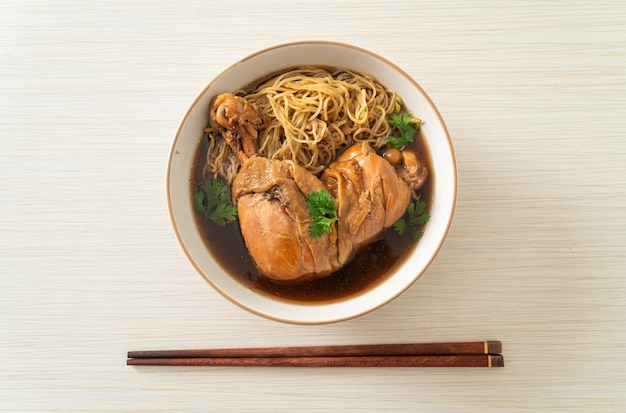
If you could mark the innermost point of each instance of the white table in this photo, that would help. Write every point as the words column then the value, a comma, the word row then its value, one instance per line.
column 534, row 96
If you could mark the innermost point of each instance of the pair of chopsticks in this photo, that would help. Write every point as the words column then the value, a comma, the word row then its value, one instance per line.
column 460, row 354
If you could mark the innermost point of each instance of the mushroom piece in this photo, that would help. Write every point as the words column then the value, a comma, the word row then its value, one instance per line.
column 412, row 171
column 238, row 120
column 393, row 156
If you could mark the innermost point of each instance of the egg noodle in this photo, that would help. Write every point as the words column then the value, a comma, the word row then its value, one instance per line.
column 315, row 114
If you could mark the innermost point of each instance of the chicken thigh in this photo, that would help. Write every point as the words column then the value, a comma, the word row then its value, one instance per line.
column 274, row 220
column 369, row 196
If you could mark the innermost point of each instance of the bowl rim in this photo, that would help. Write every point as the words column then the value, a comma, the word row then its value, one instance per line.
column 400, row 291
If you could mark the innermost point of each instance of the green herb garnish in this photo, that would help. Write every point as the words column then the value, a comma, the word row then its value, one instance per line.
column 213, row 201
column 321, row 208
column 406, row 126
column 417, row 215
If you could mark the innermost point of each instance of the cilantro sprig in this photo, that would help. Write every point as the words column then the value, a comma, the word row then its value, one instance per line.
column 405, row 125
column 321, row 206
column 416, row 216
column 213, row 201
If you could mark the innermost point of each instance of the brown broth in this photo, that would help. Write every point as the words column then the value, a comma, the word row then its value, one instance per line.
column 371, row 265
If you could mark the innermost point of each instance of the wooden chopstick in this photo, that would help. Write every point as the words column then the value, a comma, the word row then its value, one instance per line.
column 465, row 360
column 475, row 347
column 459, row 354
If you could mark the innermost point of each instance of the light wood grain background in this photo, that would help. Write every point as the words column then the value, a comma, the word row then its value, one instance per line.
column 534, row 96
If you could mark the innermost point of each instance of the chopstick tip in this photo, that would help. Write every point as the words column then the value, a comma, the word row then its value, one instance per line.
column 493, row 347
column 496, row 361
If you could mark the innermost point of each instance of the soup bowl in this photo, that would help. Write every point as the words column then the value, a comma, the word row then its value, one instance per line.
column 443, row 183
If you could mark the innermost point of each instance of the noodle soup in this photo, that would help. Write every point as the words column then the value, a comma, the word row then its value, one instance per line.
column 318, row 210
column 314, row 114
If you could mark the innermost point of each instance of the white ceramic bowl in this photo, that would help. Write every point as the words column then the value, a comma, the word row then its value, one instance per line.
column 325, row 54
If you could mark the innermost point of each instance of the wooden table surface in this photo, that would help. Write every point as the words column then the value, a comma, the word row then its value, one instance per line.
column 534, row 96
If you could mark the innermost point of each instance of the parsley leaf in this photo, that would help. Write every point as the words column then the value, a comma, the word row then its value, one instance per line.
column 400, row 226
column 405, row 125
column 212, row 200
column 322, row 210
column 417, row 215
